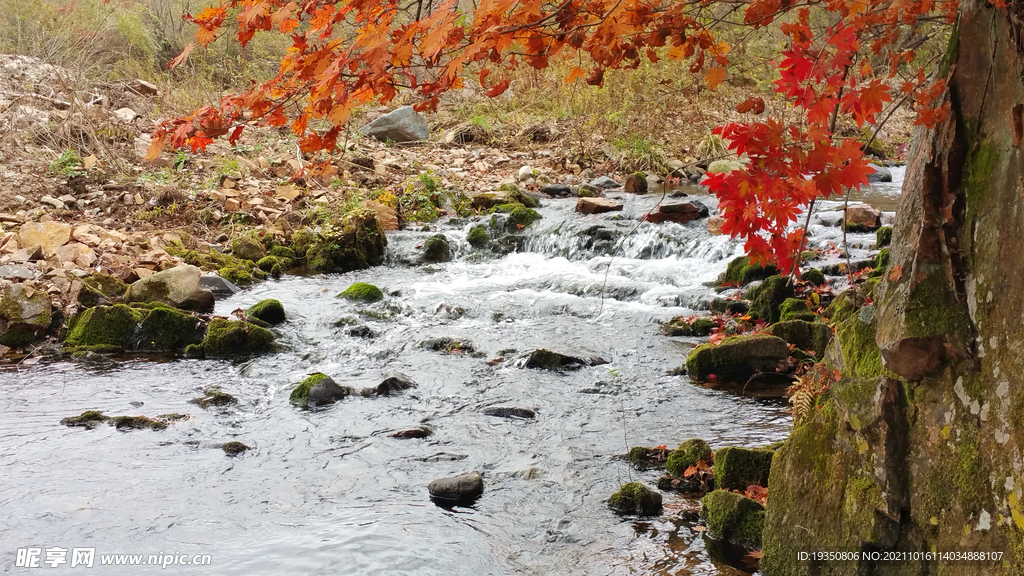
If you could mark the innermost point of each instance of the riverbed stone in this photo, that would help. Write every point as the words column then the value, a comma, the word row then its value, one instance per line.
column 411, row 433
column 724, row 166
column 597, row 206
column 403, row 124
column 234, row 448
column 235, row 338
column 179, row 287
column 510, row 412
column 766, row 298
column 166, row 330
column 737, row 468
column 679, row 213
column 545, row 359
column 809, row 336
column 270, row 311
column 359, row 244
column 436, row 249
column 478, row 237
column 88, row 419
column 737, row 358
column 461, row 490
column 741, row 272
column 393, row 383
column 248, row 248
column 733, row 518
column 25, row 313
column 49, row 235
column 362, row 292
column 862, row 217
column 104, row 325
column 688, row 454
column 318, row 390
column 636, row 498
column 214, row 396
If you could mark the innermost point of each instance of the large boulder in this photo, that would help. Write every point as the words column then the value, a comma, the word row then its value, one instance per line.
column 680, row 213
column 104, row 326
column 361, row 243
column 179, row 287
column 461, row 490
column 738, row 358
column 24, row 313
column 733, row 518
column 401, row 125
column 636, row 498
column 597, row 206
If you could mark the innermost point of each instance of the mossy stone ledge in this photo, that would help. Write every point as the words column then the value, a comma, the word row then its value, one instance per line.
column 737, row 358
column 733, row 518
column 737, row 468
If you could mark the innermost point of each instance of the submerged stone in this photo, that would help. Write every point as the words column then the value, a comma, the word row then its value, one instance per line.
column 234, row 448
column 214, row 396
column 510, row 412
column 636, row 498
column 394, row 383
column 136, row 423
column 421, row 432
column 88, row 419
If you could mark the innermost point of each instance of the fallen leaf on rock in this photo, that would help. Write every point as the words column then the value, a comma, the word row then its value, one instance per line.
column 700, row 529
column 896, row 273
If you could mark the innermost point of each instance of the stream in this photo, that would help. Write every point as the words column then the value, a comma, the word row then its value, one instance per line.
column 329, row 491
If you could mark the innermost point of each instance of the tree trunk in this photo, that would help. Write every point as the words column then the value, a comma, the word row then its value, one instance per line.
column 925, row 451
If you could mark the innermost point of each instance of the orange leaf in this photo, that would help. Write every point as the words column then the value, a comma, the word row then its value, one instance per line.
column 182, row 57
column 896, row 273
column 498, row 89
column 155, row 148
column 715, row 77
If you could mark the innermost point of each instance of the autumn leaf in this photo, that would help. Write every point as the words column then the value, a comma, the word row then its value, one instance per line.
column 895, row 273
column 181, row 58
column 715, row 77
column 155, row 148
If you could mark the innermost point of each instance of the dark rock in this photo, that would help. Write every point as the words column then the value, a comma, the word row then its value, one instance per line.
column 636, row 498
column 234, row 448
column 361, row 331
column 448, row 345
column 478, row 237
column 636, row 183
column 401, row 125
column 214, row 396
column 768, row 384
column 547, row 360
column 679, row 213
column 738, row 358
column 88, row 419
column 394, row 383
column 219, row 286
column 136, row 423
column 557, row 190
column 461, row 490
column 421, row 432
column 167, row 330
column 814, row 276
column 881, row 174
column 509, row 412
column 697, row 484
column 436, row 249
column 680, row 326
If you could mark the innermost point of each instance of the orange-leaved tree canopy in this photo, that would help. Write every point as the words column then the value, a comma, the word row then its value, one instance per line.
column 854, row 59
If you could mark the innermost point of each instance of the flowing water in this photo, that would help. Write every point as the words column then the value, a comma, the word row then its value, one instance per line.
column 330, row 491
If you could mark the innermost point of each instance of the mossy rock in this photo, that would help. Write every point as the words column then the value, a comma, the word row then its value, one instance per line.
column 234, row 448
column 521, row 218
column 846, row 304
column 108, row 325
column 167, row 330
column 284, row 253
column 737, row 468
column 318, row 390
column 795, row 309
column 214, row 396
column 270, row 311
column 883, row 237
column 136, row 423
column 723, row 306
column 268, row 263
column 733, row 518
column 870, row 286
column 588, row 191
column 88, row 419
column 359, row 244
column 679, row 326
column 737, row 358
column 362, row 292
column 436, row 250
column 235, row 338
column 636, row 498
column 544, row 359
column 766, row 298
column 882, row 261
column 19, row 336
column 241, row 276
column 478, row 237
column 858, row 352
column 302, row 240
column 741, row 272
column 248, row 248
column 688, row 454
column 105, row 284
column 814, row 276
column 810, row 336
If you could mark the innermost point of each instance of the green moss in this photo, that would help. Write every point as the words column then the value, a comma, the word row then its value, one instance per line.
column 270, row 311
column 267, row 263
column 362, row 292
column 814, row 276
column 229, row 339
column 214, row 396
column 248, row 247
column 870, row 286
column 166, row 329
column 856, row 337
column 733, row 518
column 284, row 253
column 741, row 272
column 767, row 298
column 882, row 260
column 737, row 468
column 241, row 275
column 234, row 448
column 883, row 237
column 88, row 419
column 110, row 325
column 636, row 498
column 136, row 423
column 737, row 358
column 18, row 336
column 810, row 336
column 300, row 394
column 688, row 454
column 436, row 249
column 302, row 240
column 795, row 309
column 505, row 208
column 521, row 218
column 478, row 237
column 76, row 351
column 933, row 308
column 106, row 284
column 844, row 306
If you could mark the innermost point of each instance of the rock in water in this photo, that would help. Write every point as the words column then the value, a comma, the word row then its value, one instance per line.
column 461, row 490
column 733, row 518
column 436, row 249
column 635, row 498
column 881, row 174
column 510, row 412
column 318, row 390
column 605, row 182
column 597, row 206
column 688, row 454
column 680, row 213
column 737, row 359
column 736, row 468
column 394, row 383
column 24, row 313
column 179, row 287
column 862, row 216
column 545, row 359
column 270, row 311
column 401, row 125
column 217, row 285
